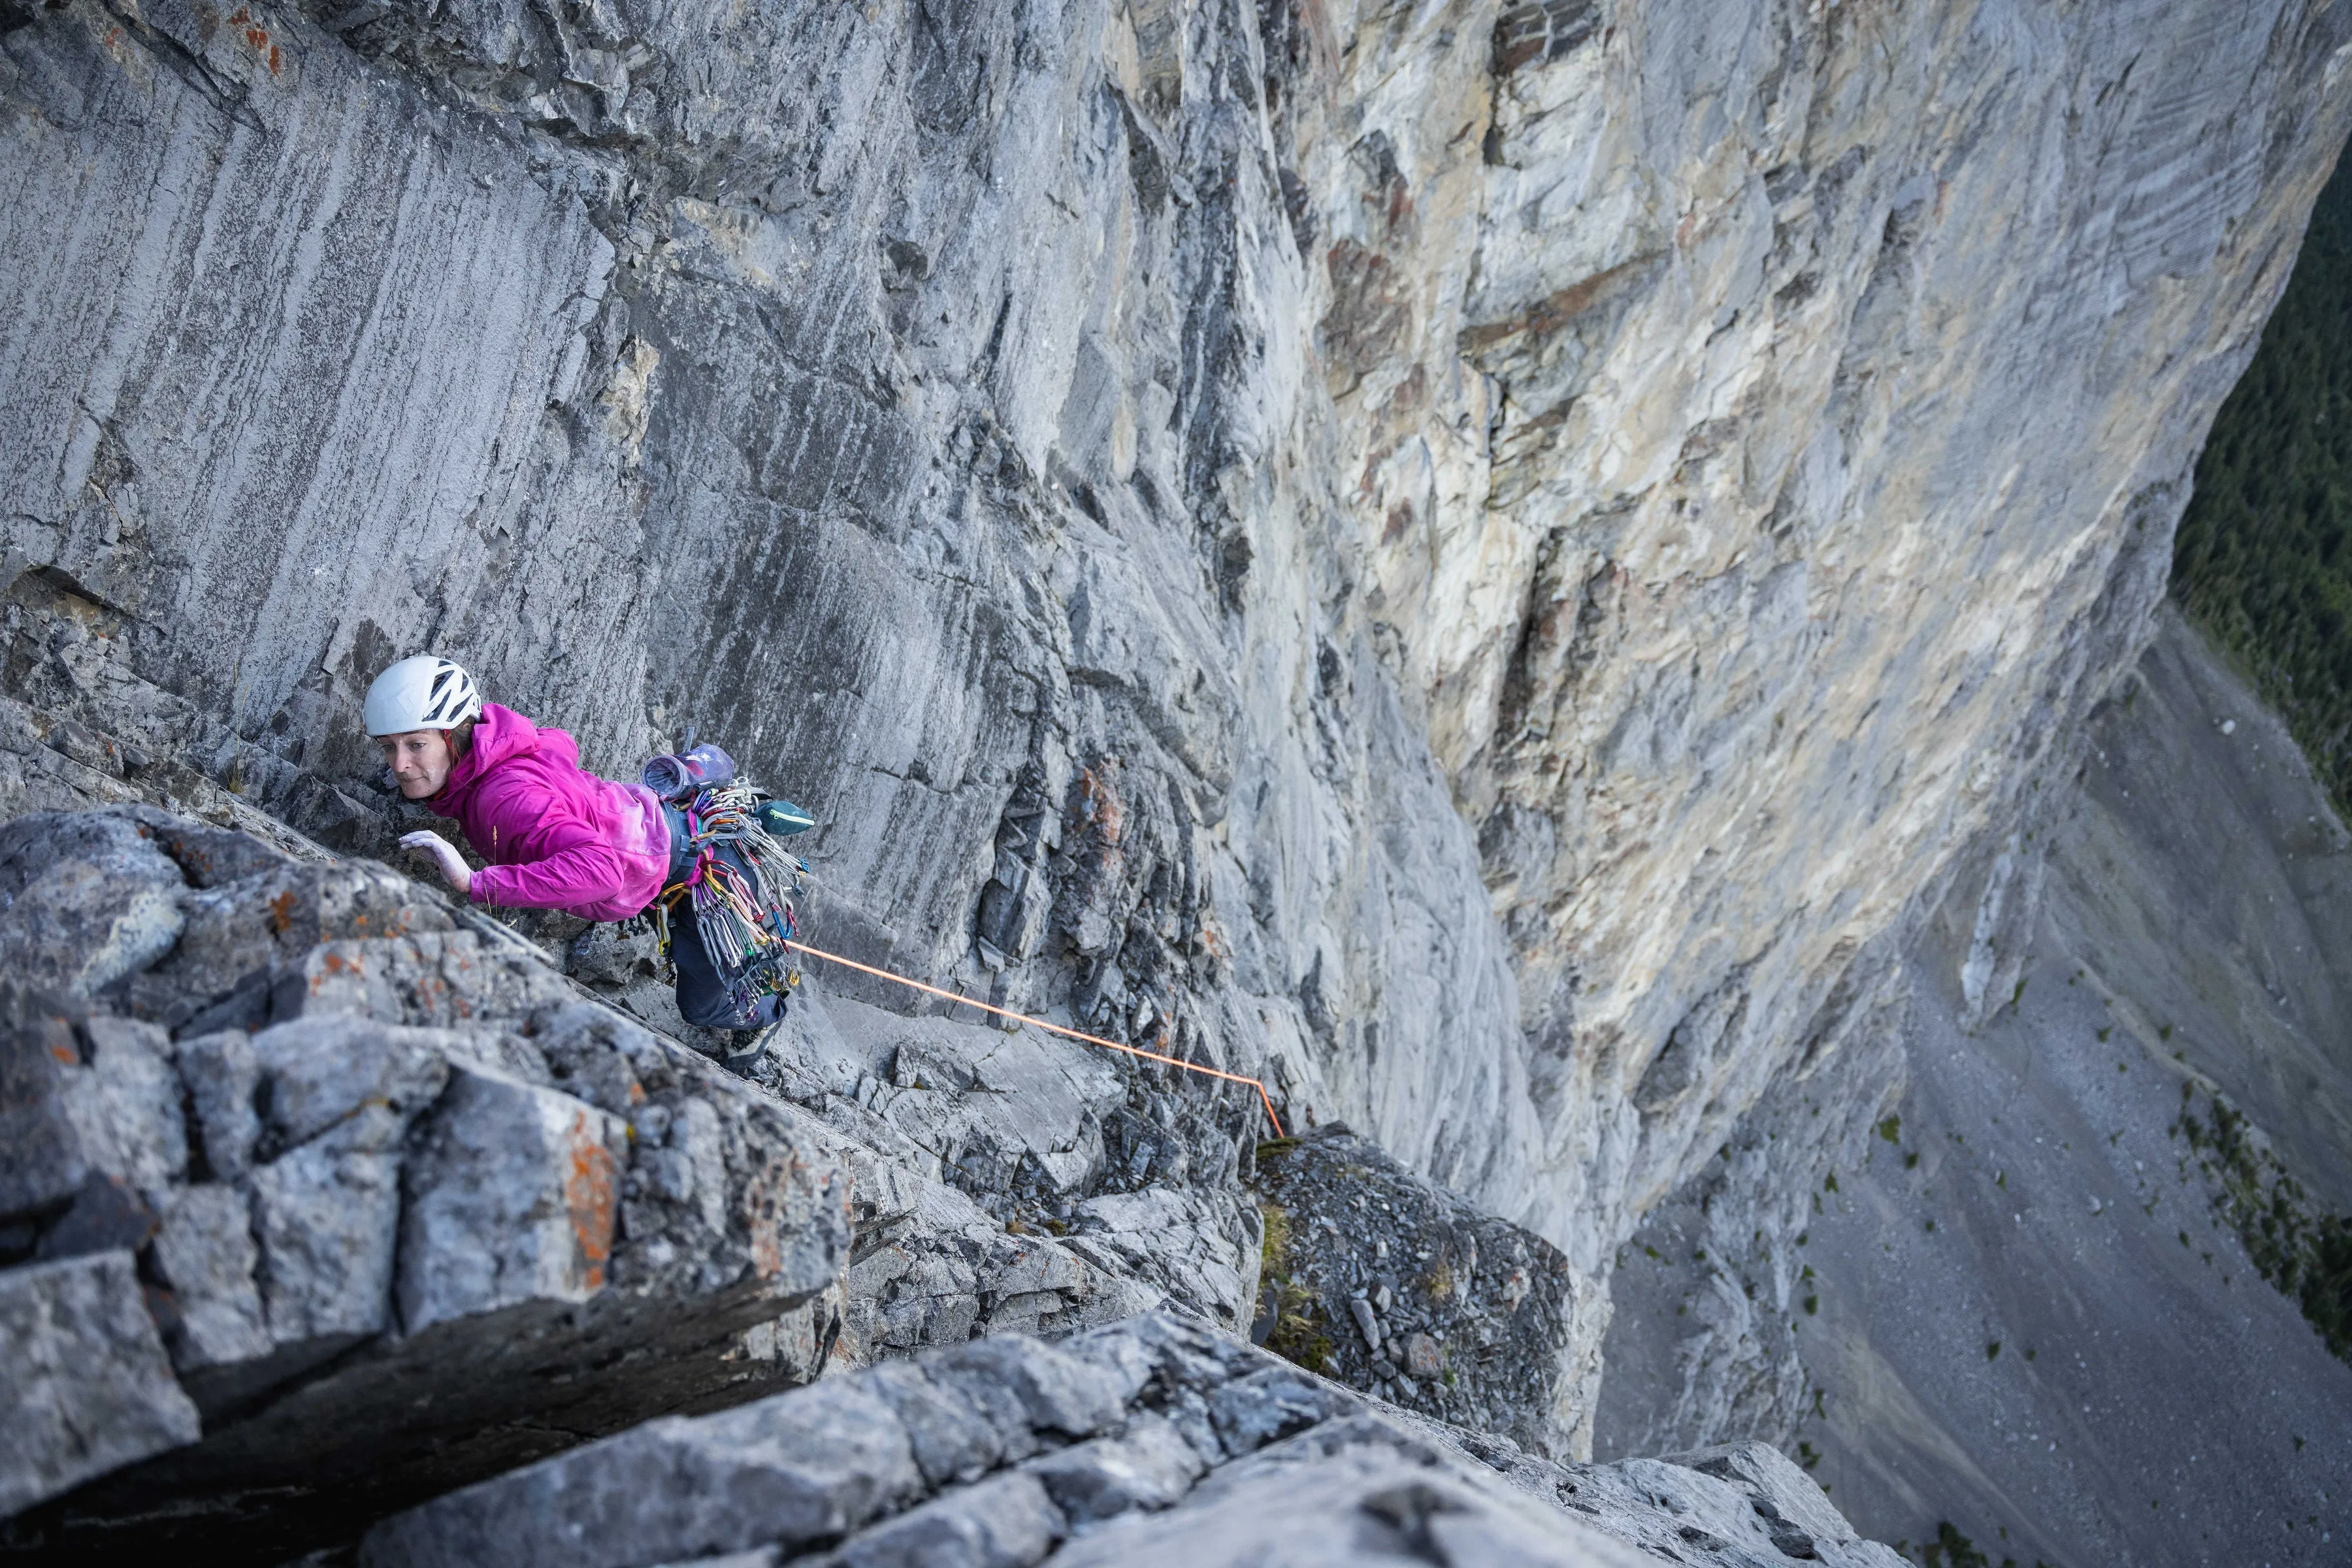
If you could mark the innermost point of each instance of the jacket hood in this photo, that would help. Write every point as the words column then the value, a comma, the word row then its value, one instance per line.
column 500, row 735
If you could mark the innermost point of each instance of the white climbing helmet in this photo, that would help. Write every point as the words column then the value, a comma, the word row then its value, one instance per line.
column 423, row 692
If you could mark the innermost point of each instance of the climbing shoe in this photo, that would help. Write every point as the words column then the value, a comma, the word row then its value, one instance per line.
column 748, row 1049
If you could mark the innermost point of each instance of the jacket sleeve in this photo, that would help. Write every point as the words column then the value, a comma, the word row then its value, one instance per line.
column 582, row 870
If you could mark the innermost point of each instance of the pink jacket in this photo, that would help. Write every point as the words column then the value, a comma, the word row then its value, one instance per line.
column 556, row 838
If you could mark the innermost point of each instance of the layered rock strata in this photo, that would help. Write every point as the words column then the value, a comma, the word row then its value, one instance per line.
column 1842, row 376
column 1150, row 1442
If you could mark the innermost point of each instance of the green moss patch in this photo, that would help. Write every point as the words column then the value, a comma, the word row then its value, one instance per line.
column 1300, row 1335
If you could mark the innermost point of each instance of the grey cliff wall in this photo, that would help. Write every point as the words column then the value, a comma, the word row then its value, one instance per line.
column 936, row 429
column 1476, row 562
column 1839, row 431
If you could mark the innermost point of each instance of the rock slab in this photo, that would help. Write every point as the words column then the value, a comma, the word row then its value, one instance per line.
column 1155, row 1441
column 88, row 1386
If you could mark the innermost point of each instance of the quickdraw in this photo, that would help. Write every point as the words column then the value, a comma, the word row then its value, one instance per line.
column 748, row 922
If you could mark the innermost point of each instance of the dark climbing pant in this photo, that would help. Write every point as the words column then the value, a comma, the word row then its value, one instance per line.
column 705, row 999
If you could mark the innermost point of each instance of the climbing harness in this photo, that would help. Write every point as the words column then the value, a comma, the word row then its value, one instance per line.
column 742, row 888
column 1258, row 1084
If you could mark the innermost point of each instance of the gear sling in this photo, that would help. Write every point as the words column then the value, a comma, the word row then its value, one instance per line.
column 729, row 906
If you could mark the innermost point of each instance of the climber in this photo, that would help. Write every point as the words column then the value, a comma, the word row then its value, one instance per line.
column 558, row 838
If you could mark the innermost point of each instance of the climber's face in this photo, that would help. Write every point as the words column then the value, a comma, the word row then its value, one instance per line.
column 419, row 761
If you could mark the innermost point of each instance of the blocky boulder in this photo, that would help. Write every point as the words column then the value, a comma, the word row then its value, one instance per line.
column 321, row 1200
column 88, row 1387
column 1379, row 1278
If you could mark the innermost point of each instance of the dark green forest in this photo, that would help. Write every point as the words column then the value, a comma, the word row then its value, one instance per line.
column 2263, row 560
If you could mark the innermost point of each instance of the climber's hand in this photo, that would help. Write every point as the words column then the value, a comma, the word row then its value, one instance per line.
column 453, row 864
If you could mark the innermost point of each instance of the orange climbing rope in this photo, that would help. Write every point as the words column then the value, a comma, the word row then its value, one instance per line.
column 1257, row 1084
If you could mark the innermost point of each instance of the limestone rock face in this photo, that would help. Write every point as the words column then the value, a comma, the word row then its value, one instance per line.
column 1469, row 561
column 1841, row 380
column 1147, row 1442
column 937, row 431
